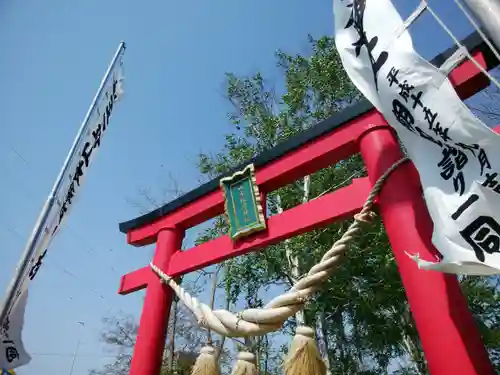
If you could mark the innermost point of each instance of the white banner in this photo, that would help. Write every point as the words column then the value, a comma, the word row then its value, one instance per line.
column 12, row 351
column 456, row 155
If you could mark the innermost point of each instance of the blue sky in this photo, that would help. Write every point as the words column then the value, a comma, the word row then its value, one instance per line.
column 55, row 54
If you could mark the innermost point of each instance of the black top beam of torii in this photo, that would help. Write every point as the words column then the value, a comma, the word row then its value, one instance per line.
column 473, row 43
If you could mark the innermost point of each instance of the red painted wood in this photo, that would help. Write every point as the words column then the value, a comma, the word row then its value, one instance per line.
column 135, row 280
column 138, row 279
column 188, row 216
column 338, row 205
column 307, row 159
column 447, row 330
column 341, row 204
column 150, row 343
column 320, row 153
column 467, row 79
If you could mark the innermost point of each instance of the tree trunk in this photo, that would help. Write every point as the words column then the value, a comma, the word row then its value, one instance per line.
column 411, row 344
column 266, row 358
column 212, row 299
column 323, row 339
column 220, row 347
column 258, row 352
column 170, row 349
column 341, row 342
column 292, row 259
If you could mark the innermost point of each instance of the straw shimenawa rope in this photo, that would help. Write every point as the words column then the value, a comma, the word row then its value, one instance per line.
column 255, row 322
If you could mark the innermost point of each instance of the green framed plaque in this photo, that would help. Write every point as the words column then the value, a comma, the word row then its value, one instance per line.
column 242, row 203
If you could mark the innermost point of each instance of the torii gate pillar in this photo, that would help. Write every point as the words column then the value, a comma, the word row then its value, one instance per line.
column 447, row 330
column 150, row 344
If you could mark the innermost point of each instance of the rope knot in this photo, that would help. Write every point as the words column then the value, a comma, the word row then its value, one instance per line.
column 239, row 318
column 365, row 217
column 300, row 297
column 164, row 278
column 305, row 331
column 246, row 356
column 207, row 350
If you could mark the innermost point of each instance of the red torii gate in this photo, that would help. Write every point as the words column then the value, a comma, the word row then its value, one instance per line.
column 448, row 333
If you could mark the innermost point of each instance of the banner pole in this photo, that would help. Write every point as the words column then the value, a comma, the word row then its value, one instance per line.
column 15, row 284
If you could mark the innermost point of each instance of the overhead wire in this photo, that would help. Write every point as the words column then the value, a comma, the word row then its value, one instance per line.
column 18, row 154
column 61, row 268
column 53, row 262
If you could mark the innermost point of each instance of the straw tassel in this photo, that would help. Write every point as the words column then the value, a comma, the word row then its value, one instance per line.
column 304, row 357
column 245, row 364
column 206, row 363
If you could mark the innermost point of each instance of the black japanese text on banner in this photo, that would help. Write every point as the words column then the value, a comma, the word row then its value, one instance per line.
column 456, row 155
column 12, row 351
